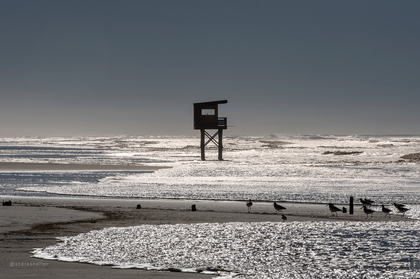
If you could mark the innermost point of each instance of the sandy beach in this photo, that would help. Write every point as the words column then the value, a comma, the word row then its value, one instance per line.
column 33, row 222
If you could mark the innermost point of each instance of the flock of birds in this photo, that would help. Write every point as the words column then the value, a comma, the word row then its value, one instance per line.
column 366, row 204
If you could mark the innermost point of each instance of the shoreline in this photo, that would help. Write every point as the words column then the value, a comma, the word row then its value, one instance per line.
column 19, row 166
column 35, row 222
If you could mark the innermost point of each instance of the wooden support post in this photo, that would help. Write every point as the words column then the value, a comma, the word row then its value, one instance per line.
column 351, row 206
column 220, row 144
column 202, row 145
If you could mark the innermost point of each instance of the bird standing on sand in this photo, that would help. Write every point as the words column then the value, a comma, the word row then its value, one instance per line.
column 398, row 205
column 368, row 211
column 249, row 204
column 386, row 211
column 401, row 208
column 366, row 202
column 283, row 217
column 278, row 207
column 333, row 208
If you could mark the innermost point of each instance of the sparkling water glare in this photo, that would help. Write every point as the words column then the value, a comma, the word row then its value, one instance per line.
column 275, row 167
column 253, row 250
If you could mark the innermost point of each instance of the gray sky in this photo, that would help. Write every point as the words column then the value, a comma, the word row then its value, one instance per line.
column 136, row 67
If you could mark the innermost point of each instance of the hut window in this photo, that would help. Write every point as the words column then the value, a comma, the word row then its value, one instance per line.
column 208, row 112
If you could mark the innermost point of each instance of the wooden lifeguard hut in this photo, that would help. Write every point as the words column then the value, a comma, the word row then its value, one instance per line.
column 206, row 117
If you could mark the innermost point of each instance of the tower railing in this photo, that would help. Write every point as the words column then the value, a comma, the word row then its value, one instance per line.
column 222, row 122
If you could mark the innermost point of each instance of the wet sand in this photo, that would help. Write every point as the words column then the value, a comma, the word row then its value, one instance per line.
column 17, row 166
column 34, row 222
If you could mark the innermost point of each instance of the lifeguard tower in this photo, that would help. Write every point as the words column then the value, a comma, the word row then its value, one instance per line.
column 206, row 117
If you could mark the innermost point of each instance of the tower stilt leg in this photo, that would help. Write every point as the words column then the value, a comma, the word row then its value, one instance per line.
column 220, row 144
column 203, row 145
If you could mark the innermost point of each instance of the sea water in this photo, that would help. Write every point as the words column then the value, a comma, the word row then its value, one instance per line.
column 299, row 168
column 276, row 167
column 253, row 250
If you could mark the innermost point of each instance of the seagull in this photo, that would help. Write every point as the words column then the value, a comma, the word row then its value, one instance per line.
column 403, row 210
column 333, row 208
column 368, row 211
column 278, row 207
column 386, row 211
column 366, row 202
column 283, row 217
column 249, row 204
column 398, row 205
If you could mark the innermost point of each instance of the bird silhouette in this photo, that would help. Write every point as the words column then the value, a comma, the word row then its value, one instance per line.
column 386, row 211
column 398, row 205
column 368, row 211
column 249, row 205
column 369, row 200
column 283, row 217
column 278, row 207
column 366, row 202
column 403, row 210
column 333, row 208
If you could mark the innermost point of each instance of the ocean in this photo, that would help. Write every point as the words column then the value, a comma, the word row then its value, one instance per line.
column 301, row 168
column 295, row 168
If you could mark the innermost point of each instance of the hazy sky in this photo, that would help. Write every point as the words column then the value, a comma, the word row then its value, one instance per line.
column 136, row 67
